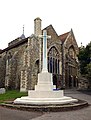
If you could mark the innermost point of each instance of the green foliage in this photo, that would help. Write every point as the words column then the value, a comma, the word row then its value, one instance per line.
column 88, row 68
column 85, row 60
column 11, row 95
column 82, row 58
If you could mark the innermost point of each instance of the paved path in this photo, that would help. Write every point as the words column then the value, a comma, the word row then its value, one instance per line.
column 82, row 114
column 11, row 114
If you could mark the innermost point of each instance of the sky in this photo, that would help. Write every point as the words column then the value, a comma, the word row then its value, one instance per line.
column 62, row 14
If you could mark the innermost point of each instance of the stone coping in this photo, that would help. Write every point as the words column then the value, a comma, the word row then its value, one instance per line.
column 47, row 108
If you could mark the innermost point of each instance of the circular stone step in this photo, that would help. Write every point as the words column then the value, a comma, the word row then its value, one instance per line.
column 47, row 108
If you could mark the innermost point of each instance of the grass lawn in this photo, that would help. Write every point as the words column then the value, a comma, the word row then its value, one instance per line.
column 11, row 95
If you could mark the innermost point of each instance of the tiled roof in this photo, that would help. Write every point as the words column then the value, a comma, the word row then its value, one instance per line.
column 15, row 45
column 63, row 36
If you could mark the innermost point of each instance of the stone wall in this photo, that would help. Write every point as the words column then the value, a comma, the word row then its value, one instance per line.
column 2, row 70
column 83, row 83
column 70, row 63
column 30, row 67
column 13, row 65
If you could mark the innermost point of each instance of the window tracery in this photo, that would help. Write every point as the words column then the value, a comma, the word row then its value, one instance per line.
column 53, row 61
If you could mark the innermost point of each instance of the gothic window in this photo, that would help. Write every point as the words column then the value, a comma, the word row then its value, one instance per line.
column 37, row 66
column 9, row 56
column 71, row 52
column 53, row 61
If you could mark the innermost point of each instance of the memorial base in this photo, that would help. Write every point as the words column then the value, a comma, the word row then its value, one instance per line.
column 44, row 93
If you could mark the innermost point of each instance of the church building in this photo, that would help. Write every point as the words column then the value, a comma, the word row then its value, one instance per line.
column 21, row 61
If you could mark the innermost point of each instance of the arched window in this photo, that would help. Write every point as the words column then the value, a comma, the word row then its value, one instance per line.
column 37, row 66
column 72, row 52
column 53, row 61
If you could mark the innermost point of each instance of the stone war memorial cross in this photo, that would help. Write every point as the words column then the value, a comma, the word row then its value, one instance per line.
column 44, row 93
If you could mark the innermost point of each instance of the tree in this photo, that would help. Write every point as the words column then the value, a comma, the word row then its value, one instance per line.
column 88, row 68
column 85, row 60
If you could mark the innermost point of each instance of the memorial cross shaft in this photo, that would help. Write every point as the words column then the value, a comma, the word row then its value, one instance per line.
column 45, row 37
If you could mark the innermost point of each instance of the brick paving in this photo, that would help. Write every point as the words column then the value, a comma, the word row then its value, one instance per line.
column 82, row 114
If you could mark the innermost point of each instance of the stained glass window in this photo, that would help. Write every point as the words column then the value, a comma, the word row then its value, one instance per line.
column 53, row 61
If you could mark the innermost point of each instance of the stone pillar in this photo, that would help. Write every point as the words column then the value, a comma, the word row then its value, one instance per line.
column 72, row 81
column 25, row 59
column 24, row 72
column 7, row 74
column 28, row 53
column 37, row 26
column 8, row 77
column 24, row 80
column 63, row 66
column 40, row 63
column 60, row 67
column 37, row 32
